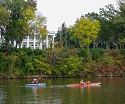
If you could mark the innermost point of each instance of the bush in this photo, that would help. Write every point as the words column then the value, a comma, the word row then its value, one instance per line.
column 97, row 53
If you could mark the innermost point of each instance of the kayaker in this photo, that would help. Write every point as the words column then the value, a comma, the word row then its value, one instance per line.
column 81, row 82
column 35, row 81
column 88, row 82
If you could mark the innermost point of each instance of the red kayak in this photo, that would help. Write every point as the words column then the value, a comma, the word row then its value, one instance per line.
column 90, row 84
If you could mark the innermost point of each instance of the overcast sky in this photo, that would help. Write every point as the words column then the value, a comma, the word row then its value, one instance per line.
column 59, row 11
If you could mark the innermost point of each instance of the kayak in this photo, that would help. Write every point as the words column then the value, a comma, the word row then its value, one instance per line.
column 90, row 84
column 36, row 84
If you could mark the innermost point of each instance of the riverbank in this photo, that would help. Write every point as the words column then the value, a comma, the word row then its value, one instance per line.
column 29, row 63
column 50, row 76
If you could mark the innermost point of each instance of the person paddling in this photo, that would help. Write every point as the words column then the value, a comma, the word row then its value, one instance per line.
column 81, row 82
column 35, row 81
column 88, row 82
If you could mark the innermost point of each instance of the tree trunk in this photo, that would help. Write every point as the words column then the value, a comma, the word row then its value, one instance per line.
column 106, row 45
column 88, row 54
column 94, row 45
column 116, row 46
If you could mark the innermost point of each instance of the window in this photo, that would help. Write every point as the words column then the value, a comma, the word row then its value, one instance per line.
column 24, row 46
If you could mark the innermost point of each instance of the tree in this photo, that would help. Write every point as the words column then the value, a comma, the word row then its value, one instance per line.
column 85, row 31
column 62, row 36
column 4, row 17
column 32, row 3
column 119, row 22
column 21, row 20
column 95, row 16
column 107, row 32
column 38, row 27
column 20, row 14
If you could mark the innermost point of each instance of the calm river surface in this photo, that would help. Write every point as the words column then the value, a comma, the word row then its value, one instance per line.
column 111, row 91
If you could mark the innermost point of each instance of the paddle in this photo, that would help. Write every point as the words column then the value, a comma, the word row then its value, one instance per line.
column 39, row 79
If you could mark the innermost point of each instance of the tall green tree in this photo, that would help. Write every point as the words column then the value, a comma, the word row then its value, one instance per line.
column 22, row 17
column 38, row 27
column 4, row 17
column 85, row 31
column 62, row 36
column 119, row 22
column 18, row 22
column 107, row 32
column 95, row 16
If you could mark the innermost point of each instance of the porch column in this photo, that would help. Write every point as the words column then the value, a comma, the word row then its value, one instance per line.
column 27, row 45
column 34, row 43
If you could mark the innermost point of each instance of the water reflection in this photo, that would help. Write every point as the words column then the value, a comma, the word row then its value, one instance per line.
column 88, row 88
column 37, row 91
column 58, row 86
column 2, row 95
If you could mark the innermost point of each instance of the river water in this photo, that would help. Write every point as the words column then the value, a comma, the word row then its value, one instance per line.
column 111, row 91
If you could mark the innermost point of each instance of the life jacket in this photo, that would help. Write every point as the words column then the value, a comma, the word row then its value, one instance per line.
column 81, row 83
column 34, row 81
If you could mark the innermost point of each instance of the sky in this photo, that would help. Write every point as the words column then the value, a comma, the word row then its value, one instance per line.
column 59, row 11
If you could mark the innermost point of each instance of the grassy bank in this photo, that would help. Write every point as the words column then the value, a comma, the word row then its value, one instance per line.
column 73, row 62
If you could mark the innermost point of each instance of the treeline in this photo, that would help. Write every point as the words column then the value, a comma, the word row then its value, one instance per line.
column 105, row 29
column 61, row 62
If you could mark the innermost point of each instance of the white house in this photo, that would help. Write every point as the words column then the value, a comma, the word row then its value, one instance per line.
column 36, row 43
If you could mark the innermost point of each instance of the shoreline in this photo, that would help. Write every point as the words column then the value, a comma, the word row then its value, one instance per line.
column 50, row 76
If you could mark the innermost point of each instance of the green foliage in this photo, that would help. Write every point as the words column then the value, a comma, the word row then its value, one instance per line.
column 63, row 36
column 109, row 30
column 85, row 54
column 97, row 53
column 41, row 66
column 11, row 66
column 82, row 52
column 4, row 16
column 85, row 31
column 122, row 51
column 32, row 3
column 63, row 62
column 17, row 20
column 106, row 60
column 1, row 61
column 72, row 65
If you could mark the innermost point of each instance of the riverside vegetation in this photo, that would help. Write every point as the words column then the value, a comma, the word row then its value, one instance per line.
column 20, row 63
